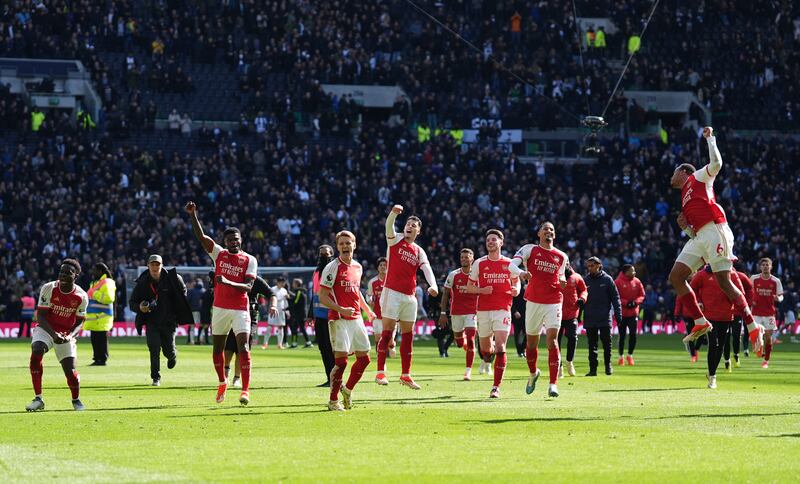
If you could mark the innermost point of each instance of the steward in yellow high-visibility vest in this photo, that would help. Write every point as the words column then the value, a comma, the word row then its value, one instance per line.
column 634, row 44
column 423, row 133
column 37, row 118
column 100, row 312
column 600, row 38
column 458, row 136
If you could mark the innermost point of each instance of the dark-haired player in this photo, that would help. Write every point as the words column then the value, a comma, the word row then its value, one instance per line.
column 234, row 273
column 59, row 313
column 710, row 241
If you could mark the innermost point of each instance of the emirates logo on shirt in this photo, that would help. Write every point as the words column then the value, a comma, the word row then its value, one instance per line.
column 497, row 278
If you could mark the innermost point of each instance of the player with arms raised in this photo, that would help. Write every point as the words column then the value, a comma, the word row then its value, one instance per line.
column 463, row 308
column 398, row 301
column 59, row 313
column 710, row 241
column 544, row 267
column 340, row 292
column 767, row 292
column 234, row 273
column 496, row 288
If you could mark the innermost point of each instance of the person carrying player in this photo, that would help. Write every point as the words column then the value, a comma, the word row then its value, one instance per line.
column 544, row 267
column 234, row 273
column 340, row 292
column 463, row 308
column 719, row 310
column 398, row 301
column 60, row 312
column 767, row 292
column 496, row 287
column 710, row 241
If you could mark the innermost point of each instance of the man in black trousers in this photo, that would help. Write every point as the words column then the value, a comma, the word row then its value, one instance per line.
column 159, row 301
column 602, row 298
column 320, row 312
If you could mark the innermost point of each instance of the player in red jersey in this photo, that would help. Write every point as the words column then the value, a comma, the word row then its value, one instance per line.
column 575, row 295
column 398, row 301
column 544, row 267
column 59, row 313
column 496, row 288
column 719, row 310
column 340, row 292
column 767, row 292
column 234, row 273
column 735, row 340
column 463, row 308
column 374, row 291
column 631, row 295
column 710, row 241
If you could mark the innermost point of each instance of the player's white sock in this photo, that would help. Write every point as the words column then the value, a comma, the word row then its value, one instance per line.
column 279, row 335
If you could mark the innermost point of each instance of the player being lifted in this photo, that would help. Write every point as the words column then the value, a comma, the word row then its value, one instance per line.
column 496, row 288
column 463, row 308
column 234, row 273
column 544, row 267
column 710, row 241
column 59, row 313
column 398, row 301
column 767, row 292
column 340, row 292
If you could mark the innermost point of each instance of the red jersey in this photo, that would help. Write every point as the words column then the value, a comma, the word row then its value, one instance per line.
column 461, row 302
column 629, row 290
column 344, row 280
column 716, row 305
column 576, row 289
column 239, row 267
column 546, row 267
column 486, row 272
column 698, row 202
column 404, row 259
column 374, row 290
column 747, row 285
column 62, row 309
column 765, row 292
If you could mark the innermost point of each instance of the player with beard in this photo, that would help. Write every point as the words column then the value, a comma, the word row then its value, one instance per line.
column 234, row 273
column 544, row 267
column 60, row 312
column 463, row 308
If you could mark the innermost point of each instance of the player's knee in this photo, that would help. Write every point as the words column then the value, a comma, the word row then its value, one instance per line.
column 38, row 348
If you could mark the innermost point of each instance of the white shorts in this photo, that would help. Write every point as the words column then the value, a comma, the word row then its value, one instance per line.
column 225, row 320
column 462, row 321
column 64, row 350
column 713, row 245
column 349, row 335
column 768, row 322
column 491, row 321
column 541, row 315
column 377, row 327
column 278, row 320
column 398, row 306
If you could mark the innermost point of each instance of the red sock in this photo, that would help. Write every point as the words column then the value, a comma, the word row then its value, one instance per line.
column 690, row 306
column 406, row 346
column 74, row 383
column 499, row 368
column 336, row 377
column 219, row 365
column 470, row 341
column 460, row 342
column 767, row 348
column 554, row 358
column 244, row 360
column 383, row 347
column 532, row 355
column 36, row 373
column 357, row 371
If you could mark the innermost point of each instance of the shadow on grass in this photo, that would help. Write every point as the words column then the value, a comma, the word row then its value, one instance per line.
column 539, row 419
column 114, row 409
column 648, row 389
column 251, row 414
column 795, row 436
column 191, row 388
column 722, row 415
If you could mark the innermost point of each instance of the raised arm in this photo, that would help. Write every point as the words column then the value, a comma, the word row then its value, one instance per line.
column 715, row 164
column 206, row 241
column 396, row 210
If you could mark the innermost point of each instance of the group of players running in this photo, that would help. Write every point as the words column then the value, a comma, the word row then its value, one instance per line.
column 479, row 295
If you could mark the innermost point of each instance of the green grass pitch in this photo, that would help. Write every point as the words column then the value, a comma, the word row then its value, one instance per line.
column 654, row 422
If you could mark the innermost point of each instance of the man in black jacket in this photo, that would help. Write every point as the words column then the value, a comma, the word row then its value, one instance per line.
column 159, row 301
column 603, row 297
